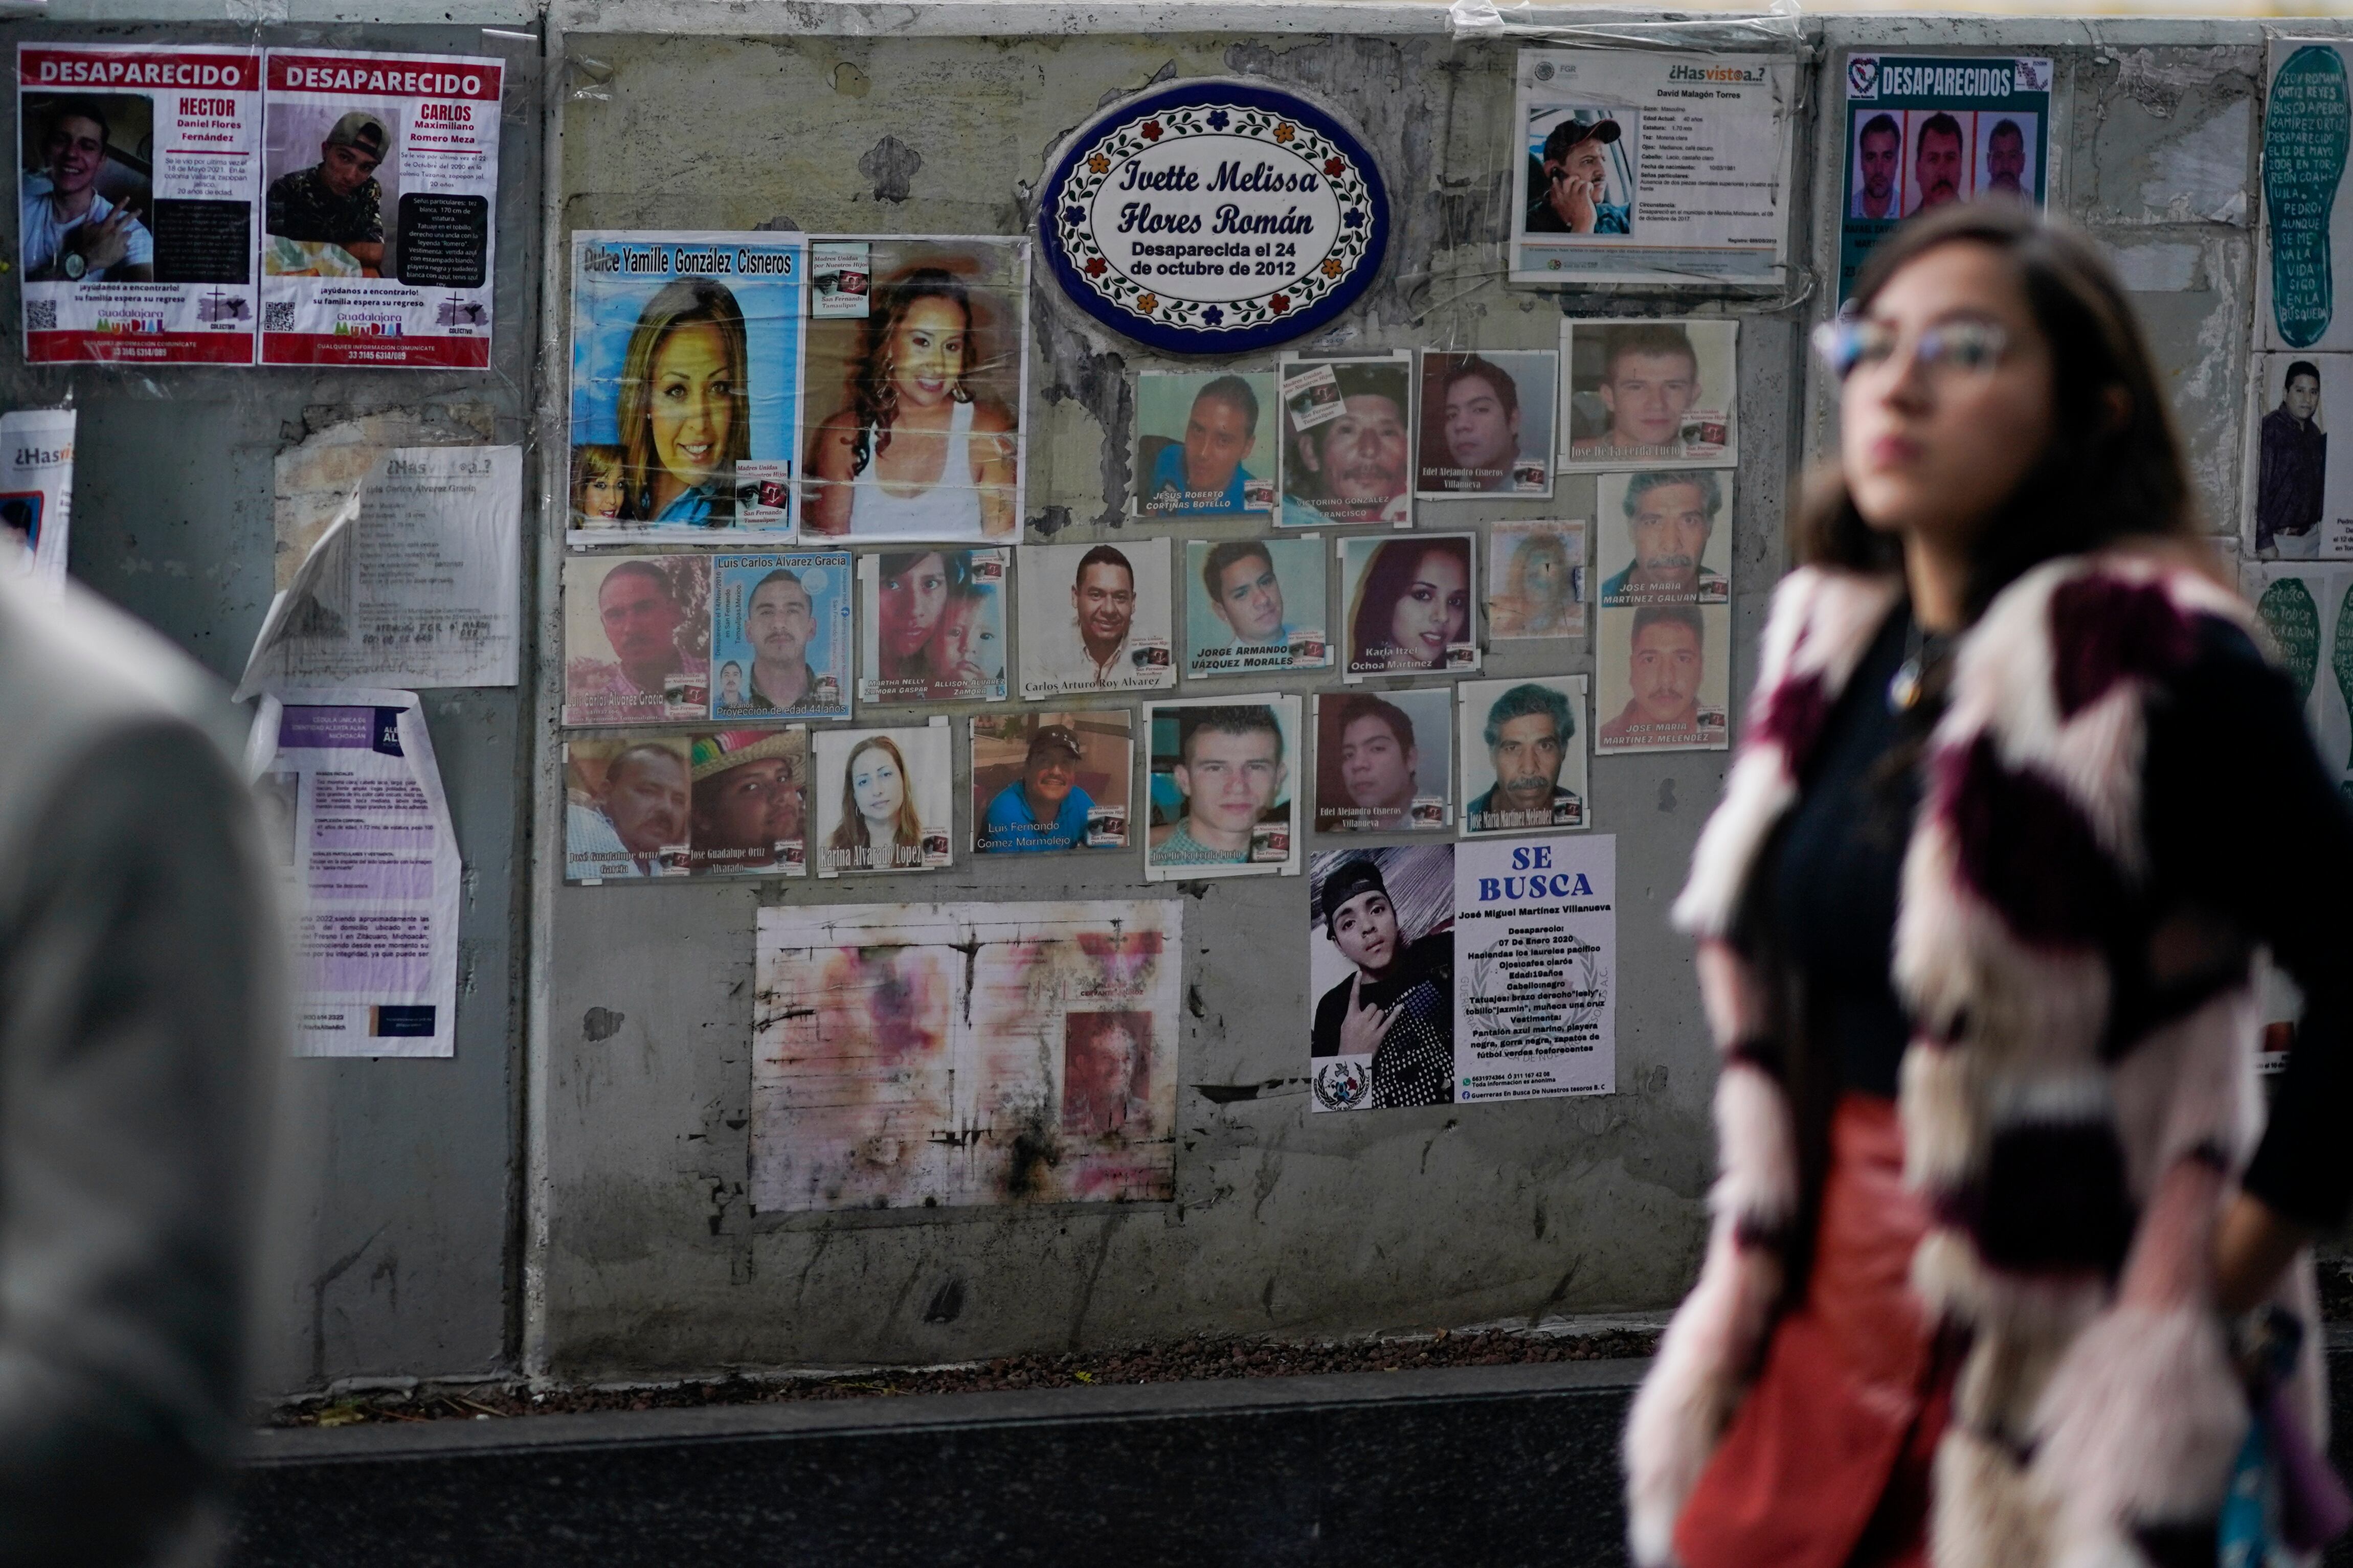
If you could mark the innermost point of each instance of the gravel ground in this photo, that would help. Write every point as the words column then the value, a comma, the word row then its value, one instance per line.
column 1182, row 1360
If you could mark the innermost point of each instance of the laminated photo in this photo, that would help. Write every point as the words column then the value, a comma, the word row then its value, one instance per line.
column 780, row 641
column 1095, row 619
column 637, row 638
column 1654, row 167
column 1207, row 443
column 1054, row 780
column 1384, row 762
column 1381, row 977
column 1661, row 681
column 628, row 805
column 2298, row 508
column 1487, row 423
column 911, row 428
column 686, row 358
column 1408, row 605
column 932, row 627
column 1650, row 393
column 1524, row 755
column 1254, row 605
column 956, row 1056
column 1536, row 580
column 1223, row 774
column 377, row 245
column 1664, row 537
column 1347, row 440
column 139, row 168
column 885, row 801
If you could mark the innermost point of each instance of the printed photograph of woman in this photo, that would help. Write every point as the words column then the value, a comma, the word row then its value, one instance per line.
column 919, row 438
column 597, row 486
column 1409, row 605
column 685, row 410
column 882, row 799
column 933, row 625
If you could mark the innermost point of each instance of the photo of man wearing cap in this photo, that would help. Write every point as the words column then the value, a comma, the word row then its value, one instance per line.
column 1397, row 1008
column 1044, row 808
column 1570, row 193
column 337, row 201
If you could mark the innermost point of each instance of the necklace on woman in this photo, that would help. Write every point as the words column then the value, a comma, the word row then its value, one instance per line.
column 1919, row 646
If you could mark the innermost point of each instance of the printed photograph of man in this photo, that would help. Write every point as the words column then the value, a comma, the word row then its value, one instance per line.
column 2004, row 148
column 1486, row 423
column 1107, row 1074
column 1095, row 617
column 625, row 809
column 1536, row 580
column 1650, row 393
column 1384, row 764
column 1218, row 802
column 77, row 150
column 1524, row 753
column 780, row 620
column 637, row 637
column 749, row 810
column 1878, row 164
column 1940, row 170
column 1354, row 465
column 1196, row 439
column 336, row 201
column 1661, row 532
column 2291, row 466
column 1581, row 174
column 1394, row 1009
column 786, row 617
column 1660, row 664
column 1239, row 617
column 1051, row 781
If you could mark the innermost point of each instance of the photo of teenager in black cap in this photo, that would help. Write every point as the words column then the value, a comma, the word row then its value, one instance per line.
column 1388, row 915
column 1581, row 174
column 338, row 200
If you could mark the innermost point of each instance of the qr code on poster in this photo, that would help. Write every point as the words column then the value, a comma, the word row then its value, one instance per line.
column 278, row 316
column 40, row 315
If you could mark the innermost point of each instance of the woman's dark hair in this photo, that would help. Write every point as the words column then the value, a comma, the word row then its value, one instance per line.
column 874, row 391
column 1387, row 576
column 2099, row 481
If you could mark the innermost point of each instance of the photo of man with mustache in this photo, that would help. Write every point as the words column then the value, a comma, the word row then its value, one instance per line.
column 1356, row 465
column 630, row 817
column 1939, row 161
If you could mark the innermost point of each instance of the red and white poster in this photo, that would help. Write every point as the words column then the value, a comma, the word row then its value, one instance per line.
column 377, row 243
column 137, row 178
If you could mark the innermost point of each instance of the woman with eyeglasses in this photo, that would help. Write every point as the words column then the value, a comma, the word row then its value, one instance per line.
column 1976, row 920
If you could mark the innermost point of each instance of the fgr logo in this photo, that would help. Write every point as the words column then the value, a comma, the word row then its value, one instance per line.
column 1342, row 1085
column 1862, row 77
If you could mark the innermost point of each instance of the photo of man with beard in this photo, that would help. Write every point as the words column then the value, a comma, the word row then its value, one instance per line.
column 624, row 809
column 637, row 638
column 1396, row 1011
column 748, row 807
column 1349, row 459
column 1878, row 160
column 1939, row 164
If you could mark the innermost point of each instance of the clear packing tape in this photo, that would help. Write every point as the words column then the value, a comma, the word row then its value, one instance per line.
column 1779, row 26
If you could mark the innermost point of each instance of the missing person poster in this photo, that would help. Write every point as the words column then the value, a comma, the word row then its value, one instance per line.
column 780, row 641
column 2307, row 206
column 37, row 455
column 1663, row 680
column 1052, row 780
column 1096, row 618
column 1224, row 775
column 1651, row 394
column 1923, row 131
column 1385, row 764
column 2298, row 509
column 932, row 626
column 1206, row 444
column 1409, row 605
column 1524, row 755
column 686, row 363
column 1347, row 440
column 1486, row 423
column 1635, row 166
column 729, row 802
column 1536, row 580
column 1444, row 973
column 885, row 799
column 352, row 803
column 1252, row 605
column 954, row 1055
column 139, row 168
column 378, row 247
column 637, row 638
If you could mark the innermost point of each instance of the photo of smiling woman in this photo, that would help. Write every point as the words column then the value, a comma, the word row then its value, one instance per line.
column 920, row 438
column 1409, row 605
column 882, row 799
column 933, row 627
column 685, row 413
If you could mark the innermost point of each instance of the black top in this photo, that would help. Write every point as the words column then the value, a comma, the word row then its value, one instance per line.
column 2240, row 817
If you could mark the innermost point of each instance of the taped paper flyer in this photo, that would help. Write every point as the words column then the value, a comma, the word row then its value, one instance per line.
column 37, row 454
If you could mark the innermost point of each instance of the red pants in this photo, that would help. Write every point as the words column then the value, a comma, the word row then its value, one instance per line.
column 1826, row 1465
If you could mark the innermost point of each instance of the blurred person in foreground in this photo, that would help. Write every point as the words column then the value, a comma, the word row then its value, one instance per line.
column 1999, row 1195
column 139, row 1009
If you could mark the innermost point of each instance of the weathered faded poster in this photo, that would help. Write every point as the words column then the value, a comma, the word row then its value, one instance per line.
column 919, row 1055
column 2307, row 219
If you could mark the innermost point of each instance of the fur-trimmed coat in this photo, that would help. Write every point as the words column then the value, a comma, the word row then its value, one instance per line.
column 2097, row 1405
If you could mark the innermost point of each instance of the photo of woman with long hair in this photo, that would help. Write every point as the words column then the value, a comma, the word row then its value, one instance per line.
column 911, row 605
column 919, row 451
column 685, row 410
column 877, row 826
column 1411, row 609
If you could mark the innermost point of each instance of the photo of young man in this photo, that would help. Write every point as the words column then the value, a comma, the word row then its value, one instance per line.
column 787, row 617
column 1487, row 423
column 1524, row 755
column 68, row 231
column 1051, row 781
column 1095, row 617
column 1650, row 393
column 1220, row 800
column 1239, row 617
column 749, row 806
column 1661, row 672
column 1384, row 764
column 2291, row 461
column 1204, row 445
column 1381, row 967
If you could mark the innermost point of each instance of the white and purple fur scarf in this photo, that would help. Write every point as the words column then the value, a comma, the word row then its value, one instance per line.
column 2097, row 1405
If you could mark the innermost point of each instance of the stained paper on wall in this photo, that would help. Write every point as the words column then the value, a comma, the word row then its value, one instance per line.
column 356, row 819
column 418, row 579
column 959, row 1055
column 378, row 247
column 140, row 166
column 37, row 454
column 1536, row 580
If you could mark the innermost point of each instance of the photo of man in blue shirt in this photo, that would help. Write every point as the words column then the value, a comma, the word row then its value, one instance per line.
column 1203, row 473
column 1044, row 808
